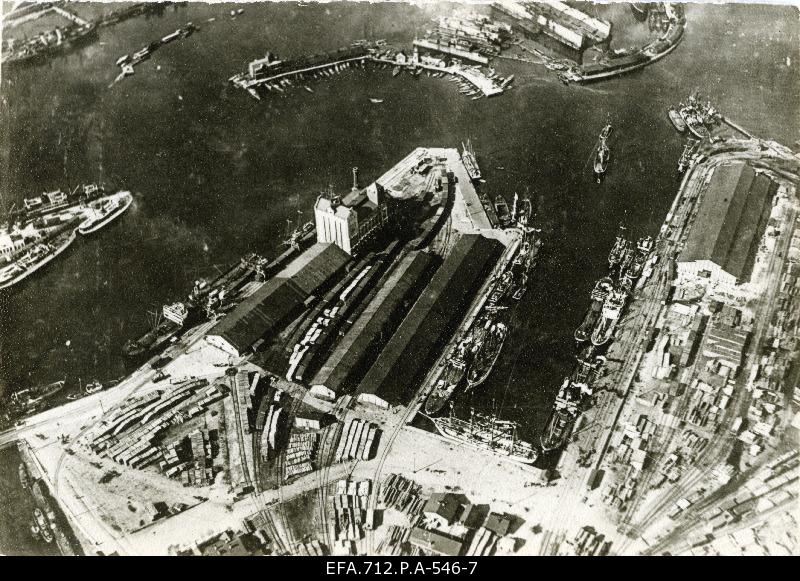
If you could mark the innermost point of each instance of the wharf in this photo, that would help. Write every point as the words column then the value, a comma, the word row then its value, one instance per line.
column 486, row 85
column 250, row 83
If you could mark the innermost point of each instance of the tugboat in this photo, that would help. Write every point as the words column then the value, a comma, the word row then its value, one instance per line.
column 677, row 120
column 602, row 154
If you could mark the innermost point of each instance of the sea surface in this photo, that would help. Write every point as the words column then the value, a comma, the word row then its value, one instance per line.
column 216, row 174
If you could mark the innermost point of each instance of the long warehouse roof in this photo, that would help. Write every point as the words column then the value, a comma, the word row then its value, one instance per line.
column 730, row 219
column 268, row 307
column 374, row 326
column 426, row 328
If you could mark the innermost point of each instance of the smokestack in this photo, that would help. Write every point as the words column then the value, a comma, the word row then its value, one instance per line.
column 355, row 179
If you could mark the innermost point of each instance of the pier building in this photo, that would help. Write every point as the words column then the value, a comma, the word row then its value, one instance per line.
column 730, row 223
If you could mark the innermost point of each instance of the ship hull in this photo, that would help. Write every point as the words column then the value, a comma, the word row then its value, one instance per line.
column 29, row 271
column 96, row 225
column 477, row 379
column 457, row 438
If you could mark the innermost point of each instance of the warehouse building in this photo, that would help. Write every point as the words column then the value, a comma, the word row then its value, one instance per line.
column 729, row 225
column 555, row 25
column 362, row 343
column 278, row 301
column 419, row 339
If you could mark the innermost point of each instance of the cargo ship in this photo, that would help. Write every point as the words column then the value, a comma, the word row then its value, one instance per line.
column 602, row 153
column 104, row 211
column 601, row 290
column 612, row 309
column 500, row 289
column 487, row 353
column 643, row 249
column 618, row 250
column 34, row 258
column 26, row 400
column 487, row 432
column 687, row 157
column 46, row 44
column 562, row 420
column 450, row 379
column 162, row 329
column 58, row 201
column 470, row 161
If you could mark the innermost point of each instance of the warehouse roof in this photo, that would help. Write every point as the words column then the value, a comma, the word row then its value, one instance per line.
column 374, row 326
column 394, row 375
column 732, row 215
column 315, row 266
column 271, row 306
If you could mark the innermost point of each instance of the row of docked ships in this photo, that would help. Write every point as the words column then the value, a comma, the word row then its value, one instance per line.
column 627, row 261
column 473, row 358
column 49, row 223
column 211, row 297
column 695, row 116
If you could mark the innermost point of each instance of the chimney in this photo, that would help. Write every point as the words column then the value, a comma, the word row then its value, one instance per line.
column 355, row 179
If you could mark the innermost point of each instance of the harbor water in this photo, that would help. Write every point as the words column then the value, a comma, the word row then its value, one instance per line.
column 215, row 174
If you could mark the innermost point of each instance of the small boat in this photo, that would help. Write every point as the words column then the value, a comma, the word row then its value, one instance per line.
column 376, row 101
column 677, row 120
column 396, row 71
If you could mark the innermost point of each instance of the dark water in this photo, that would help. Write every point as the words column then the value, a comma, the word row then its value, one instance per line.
column 215, row 174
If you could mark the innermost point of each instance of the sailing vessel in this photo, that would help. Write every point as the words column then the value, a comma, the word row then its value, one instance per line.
column 489, row 433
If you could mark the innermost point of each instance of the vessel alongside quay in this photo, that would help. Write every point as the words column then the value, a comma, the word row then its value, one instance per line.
column 103, row 211
column 470, row 161
column 487, row 353
column 602, row 289
column 489, row 433
column 609, row 316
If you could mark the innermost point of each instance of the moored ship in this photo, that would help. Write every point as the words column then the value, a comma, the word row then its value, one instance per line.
column 677, row 120
column 101, row 212
column 470, row 161
column 618, row 250
column 612, row 309
column 487, row 353
column 32, row 259
column 489, row 433
column 601, row 290
column 450, row 379
column 602, row 153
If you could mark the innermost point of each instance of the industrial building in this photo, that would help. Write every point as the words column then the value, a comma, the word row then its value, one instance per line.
column 278, row 301
column 434, row 542
column 730, row 223
column 556, row 25
column 427, row 328
column 351, row 220
column 362, row 343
